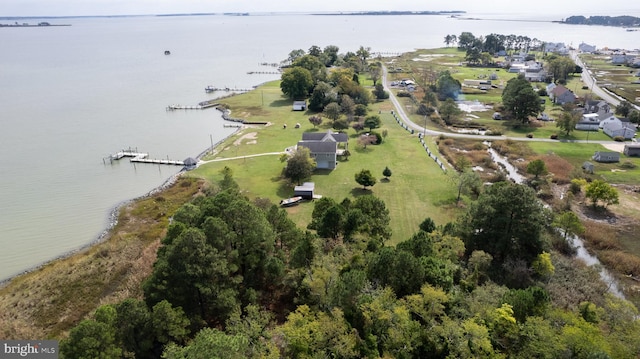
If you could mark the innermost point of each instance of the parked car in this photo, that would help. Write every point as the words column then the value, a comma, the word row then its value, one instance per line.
column 497, row 116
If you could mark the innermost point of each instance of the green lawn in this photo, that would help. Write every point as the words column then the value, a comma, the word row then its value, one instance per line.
column 417, row 188
column 578, row 153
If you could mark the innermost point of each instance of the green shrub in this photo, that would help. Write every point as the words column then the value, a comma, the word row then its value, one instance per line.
column 618, row 139
column 378, row 137
column 628, row 165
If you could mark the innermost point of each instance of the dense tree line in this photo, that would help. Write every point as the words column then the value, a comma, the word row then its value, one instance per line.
column 235, row 278
column 481, row 49
column 623, row 20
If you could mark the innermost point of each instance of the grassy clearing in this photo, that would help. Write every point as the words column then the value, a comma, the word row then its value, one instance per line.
column 48, row 301
column 577, row 153
column 417, row 188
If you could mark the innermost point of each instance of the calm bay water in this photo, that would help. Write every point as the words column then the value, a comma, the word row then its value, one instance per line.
column 70, row 96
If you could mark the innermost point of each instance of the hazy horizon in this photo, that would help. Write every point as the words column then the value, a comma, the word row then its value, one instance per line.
column 72, row 8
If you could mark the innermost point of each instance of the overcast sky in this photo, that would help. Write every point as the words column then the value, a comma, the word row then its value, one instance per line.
column 139, row 7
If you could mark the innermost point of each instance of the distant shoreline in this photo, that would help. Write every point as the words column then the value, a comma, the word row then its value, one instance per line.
column 33, row 25
column 387, row 13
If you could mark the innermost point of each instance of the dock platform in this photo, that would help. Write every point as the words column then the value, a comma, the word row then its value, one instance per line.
column 200, row 106
column 140, row 157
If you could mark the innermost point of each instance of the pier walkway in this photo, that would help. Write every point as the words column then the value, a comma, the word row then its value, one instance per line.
column 140, row 157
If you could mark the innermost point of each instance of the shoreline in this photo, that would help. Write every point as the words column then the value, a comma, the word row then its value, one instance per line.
column 112, row 216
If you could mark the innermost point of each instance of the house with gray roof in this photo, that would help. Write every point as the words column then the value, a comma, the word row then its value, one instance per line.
column 562, row 95
column 632, row 150
column 325, row 147
column 606, row 157
column 619, row 128
column 586, row 48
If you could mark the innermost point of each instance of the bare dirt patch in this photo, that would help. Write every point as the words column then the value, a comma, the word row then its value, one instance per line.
column 249, row 138
column 617, row 147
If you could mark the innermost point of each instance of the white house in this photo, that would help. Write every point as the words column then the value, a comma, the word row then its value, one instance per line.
column 607, row 119
column 556, row 47
column 617, row 128
column 588, row 122
column 586, row 48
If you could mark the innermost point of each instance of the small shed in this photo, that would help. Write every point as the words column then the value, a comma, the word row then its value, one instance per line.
column 587, row 167
column 606, row 157
column 632, row 150
column 305, row 191
column 190, row 163
column 299, row 105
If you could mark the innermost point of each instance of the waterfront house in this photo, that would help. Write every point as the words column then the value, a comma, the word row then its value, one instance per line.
column 325, row 147
column 606, row 157
column 586, row 48
column 562, row 95
column 556, row 47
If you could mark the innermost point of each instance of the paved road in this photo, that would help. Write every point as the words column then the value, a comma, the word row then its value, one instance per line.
column 589, row 80
column 418, row 128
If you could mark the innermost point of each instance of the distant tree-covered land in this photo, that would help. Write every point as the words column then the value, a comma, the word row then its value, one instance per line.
column 624, row 20
column 457, row 12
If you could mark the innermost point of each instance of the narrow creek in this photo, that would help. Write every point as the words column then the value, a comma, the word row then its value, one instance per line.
column 577, row 242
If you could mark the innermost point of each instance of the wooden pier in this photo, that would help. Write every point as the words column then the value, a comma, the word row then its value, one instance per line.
column 264, row 73
column 227, row 89
column 200, row 106
column 140, row 157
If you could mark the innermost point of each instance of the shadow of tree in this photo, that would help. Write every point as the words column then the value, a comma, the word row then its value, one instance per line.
column 281, row 103
column 359, row 191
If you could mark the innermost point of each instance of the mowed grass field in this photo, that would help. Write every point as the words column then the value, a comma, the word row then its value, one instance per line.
column 417, row 188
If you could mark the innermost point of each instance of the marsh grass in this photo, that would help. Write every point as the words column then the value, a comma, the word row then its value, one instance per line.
column 48, row 301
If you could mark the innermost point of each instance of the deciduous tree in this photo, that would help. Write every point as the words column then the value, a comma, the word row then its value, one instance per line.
column 365, row 178
column 569, row 223
column 315, row 120
column 537, row 168
column 567, row 121
column 296, row 82
column 599, row 191
column 300, row 165
column 449, row 111
column 332, row 111
column 520, row 99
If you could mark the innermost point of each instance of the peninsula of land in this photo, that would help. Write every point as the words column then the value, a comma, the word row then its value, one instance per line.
column 350, row 13
column 40, row 24
column 622, row 21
